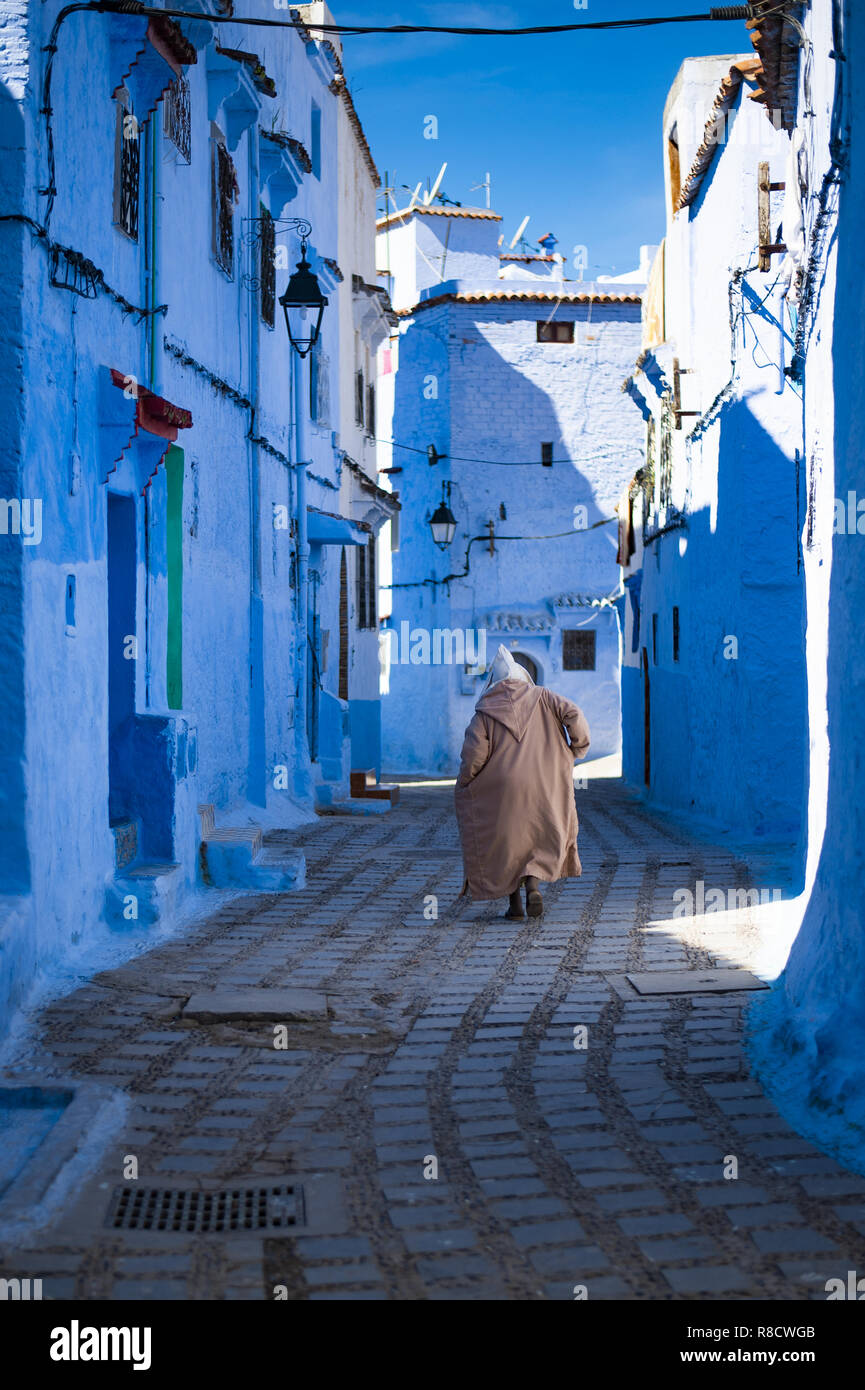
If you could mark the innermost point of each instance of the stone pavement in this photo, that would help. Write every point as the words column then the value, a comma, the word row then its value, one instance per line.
column 453, row 1137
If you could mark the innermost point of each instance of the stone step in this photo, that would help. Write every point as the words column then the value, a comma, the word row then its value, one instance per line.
column 361, row 781
column 143, row 895
column 207, row 813
column 125, row 834
column 365, row 784
column 235, row 857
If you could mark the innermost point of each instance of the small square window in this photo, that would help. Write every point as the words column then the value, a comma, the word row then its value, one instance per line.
column 555, row 332
column 547, row 454
column 579, row 649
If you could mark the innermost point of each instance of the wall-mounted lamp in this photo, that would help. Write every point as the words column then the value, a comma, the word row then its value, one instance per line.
column 443, row 523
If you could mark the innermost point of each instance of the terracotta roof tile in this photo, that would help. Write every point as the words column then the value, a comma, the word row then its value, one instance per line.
column 743, row 69
column 777, row 45
column 517, row 296
column 438, row 212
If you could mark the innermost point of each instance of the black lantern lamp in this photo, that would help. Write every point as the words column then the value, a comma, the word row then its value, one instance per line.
column 443, row 523
column 303, row 305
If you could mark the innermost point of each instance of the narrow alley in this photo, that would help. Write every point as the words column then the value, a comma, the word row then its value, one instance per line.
column 487, row 1109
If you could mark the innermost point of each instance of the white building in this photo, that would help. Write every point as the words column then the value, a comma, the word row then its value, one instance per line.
column 509, row 385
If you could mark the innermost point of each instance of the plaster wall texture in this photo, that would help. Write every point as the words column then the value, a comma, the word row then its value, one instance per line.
column 808, row 1034
column 70, row 439
column 474, row 381
column 733, row 700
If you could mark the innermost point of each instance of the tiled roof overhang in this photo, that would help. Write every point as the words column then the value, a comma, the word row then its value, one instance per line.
column 745, row 69
column 776, row 41
column 438, row 212
column 520, row 296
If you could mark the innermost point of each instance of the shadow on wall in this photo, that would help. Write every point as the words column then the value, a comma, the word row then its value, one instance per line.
column 17, row 936
column 14, row 856
column 485, row 409
column 809, row 1034
column 729, row 721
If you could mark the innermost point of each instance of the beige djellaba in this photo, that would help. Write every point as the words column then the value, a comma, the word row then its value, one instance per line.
column 514, row 794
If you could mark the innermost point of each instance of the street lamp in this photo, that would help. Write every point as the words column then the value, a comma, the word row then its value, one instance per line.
column 303, row 305
column 443, row 523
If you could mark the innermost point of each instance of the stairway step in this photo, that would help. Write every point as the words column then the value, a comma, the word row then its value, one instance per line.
column 361, row 780
column 143, row 895
column 207, row 812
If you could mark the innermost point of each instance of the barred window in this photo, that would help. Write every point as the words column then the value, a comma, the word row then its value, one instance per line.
column 225, row 194
column 177, row 120
column 367, row 593
column 370, row 410
column 358, row 398
column 578, row 649
column 127, row 163
column 267, row 265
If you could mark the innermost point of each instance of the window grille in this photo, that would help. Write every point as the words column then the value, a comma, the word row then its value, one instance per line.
column 177, row 119
column 358, row 398
column 370, row 410
column 225, row 194
column 578, row 649
column 267, row 265
column 367, row 595
column 127, row 163
column 547, row 454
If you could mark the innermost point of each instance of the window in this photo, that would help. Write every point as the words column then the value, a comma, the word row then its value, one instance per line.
column 654, row 639
column 127, row 161
column 547, row 455
column 675, row 634
column 578, row 649
column 225, row 194
column 267, row 265
column 370, row 411
column 319, row 385
column 342, row 688
column 358, row 398
column 176, row 120
column 555, row 332
column 315, row 140
column 367, row 593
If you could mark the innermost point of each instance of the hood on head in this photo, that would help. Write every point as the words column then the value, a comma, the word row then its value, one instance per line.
column 503, row 667
column 511, row 702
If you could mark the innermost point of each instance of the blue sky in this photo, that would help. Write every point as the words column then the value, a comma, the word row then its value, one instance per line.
column 567, row 125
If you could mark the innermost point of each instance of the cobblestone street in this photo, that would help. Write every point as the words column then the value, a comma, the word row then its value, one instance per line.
column 453, row 1039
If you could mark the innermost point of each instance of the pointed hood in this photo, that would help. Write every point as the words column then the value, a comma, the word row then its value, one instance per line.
column 512, row 702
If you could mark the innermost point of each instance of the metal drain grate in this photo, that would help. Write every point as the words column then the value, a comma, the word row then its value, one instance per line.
column 189, row 1209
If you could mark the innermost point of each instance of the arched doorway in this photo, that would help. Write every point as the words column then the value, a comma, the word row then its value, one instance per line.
column 527, row 664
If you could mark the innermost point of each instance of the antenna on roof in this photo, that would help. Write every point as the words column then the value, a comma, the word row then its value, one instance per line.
column 414, row 197
column 428, row 197
column 518, row 233
column 485, row 184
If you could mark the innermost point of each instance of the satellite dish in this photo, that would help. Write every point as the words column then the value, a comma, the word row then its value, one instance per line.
column 520, row 229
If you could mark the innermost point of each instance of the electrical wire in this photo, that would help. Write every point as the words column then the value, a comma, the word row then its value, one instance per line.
column 463, row 574
column 723, row 12
column 498, row 463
